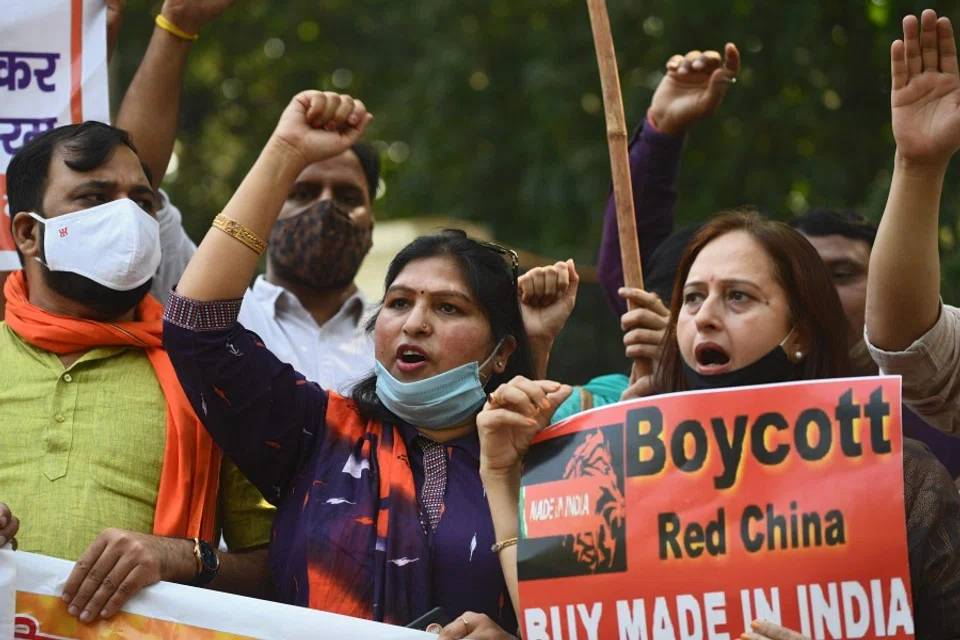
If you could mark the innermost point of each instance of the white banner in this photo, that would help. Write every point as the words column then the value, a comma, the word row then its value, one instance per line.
column 53, row 71
column 31, row 609
column 8, row 591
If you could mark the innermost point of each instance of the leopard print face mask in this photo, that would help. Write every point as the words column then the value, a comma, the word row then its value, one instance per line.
column 321, row 247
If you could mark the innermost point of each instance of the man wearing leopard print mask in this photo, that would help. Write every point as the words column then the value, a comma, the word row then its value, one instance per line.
column 306, row 308
column 320, row 246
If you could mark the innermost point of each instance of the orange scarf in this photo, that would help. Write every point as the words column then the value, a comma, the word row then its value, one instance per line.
column 187, row 499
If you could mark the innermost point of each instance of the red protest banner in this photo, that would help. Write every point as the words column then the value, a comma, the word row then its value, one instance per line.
column 690, row 515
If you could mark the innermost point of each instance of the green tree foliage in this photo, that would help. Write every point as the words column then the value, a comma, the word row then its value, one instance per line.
column 490, row 111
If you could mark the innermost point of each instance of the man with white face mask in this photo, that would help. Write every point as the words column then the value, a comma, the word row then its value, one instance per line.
column 102, row 456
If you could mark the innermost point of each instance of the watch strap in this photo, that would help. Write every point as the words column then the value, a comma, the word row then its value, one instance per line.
column 208, row 563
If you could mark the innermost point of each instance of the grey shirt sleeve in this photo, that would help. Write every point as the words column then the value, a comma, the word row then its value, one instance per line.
column 930, row 368
column 176, row 249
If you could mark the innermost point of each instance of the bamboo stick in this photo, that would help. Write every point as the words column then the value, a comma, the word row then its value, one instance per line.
column 619, row 157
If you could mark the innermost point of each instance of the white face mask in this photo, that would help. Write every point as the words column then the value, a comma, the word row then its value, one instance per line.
column 116, row 244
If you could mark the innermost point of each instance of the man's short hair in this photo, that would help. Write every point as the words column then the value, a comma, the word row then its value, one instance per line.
column 84, row 147
column 841, row 222
column 370, row 162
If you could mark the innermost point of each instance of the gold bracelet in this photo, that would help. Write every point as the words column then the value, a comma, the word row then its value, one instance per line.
column 169, row 27
column 240, row 232
column 500, row 546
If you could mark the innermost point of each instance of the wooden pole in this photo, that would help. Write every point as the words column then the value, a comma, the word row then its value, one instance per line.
column 619, row 157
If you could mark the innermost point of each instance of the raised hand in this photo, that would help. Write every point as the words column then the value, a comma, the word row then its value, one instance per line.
column 192, row 15
column 547, row 298
column 693, row 88
column 9, row 525
column 317, row 125
column 925, row 100
column 510, row 419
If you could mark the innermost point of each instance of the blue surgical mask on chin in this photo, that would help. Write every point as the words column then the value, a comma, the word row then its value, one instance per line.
column 442, row 401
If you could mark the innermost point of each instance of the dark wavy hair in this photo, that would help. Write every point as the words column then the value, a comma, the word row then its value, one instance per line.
column 815, row 307
column 83, row 147
column 491, row 282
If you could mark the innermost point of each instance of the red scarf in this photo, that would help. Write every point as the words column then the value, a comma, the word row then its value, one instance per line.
column 187, row 499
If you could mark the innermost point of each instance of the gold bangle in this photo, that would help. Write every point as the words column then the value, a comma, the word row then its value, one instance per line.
column 240, row 232
column 169, row 27
column 500, row 546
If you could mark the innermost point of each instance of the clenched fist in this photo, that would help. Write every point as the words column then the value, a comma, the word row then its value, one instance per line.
column 318, row 125
column 547, row 298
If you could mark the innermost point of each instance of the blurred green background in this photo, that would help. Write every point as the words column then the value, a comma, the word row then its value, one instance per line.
column 490, row 111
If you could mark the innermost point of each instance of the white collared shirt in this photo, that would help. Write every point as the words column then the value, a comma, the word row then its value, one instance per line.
column 336, row 355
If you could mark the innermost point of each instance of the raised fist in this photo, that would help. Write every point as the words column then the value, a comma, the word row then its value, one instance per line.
column 317, row 125
column 547, row 298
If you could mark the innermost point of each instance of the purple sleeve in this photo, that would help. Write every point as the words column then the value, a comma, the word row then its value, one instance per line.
column 654, row 164
column 264, row 415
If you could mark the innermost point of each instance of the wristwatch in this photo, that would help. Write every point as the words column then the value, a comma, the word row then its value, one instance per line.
column 208, row 563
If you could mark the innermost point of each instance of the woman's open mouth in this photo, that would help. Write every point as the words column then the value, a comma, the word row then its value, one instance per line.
column 711, row 359
column 410, row 358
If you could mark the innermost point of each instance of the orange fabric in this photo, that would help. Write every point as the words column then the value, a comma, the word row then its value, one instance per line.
column 187, row 499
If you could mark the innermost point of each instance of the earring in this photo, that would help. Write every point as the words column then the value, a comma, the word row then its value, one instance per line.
column 499, row 364
column 798, row 356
